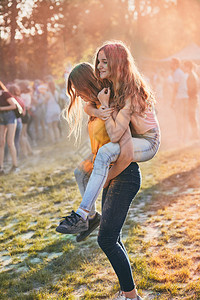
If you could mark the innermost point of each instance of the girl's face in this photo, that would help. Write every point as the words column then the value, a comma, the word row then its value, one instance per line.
column 103, row 65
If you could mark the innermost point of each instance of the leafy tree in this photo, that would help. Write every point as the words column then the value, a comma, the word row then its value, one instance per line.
column 42, row 22
column 9, row 13
column 58, row 31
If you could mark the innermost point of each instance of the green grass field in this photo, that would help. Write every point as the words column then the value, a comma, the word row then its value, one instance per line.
column 161, row 233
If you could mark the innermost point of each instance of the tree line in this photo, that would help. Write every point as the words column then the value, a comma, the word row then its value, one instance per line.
column 40, row 37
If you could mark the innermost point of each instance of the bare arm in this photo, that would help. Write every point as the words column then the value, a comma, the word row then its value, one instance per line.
column 102, row 113
column 116, row 127
column 125, row 139
column 11, row 106
column 125, row 157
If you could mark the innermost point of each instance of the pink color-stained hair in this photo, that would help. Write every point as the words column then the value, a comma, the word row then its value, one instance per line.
column 126, row 79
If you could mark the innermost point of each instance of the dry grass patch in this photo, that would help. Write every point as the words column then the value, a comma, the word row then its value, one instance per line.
column 163, row 247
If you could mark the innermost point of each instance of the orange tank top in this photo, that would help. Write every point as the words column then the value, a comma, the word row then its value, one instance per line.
column 98, row 134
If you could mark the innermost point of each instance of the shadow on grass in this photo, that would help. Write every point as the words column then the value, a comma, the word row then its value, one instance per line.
column 49, row 273
column 49, row 183
column 166, row 192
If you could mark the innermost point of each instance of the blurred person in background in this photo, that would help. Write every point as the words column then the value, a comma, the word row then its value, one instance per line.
column 14, row 90
column 50, row 79
column 192, row 107
column 52, row 111
column 168, row 86
column 63, row 96
column 24, row 139
column 158, row 84
column 38, row 111
column 179, row 98
column 7, row 128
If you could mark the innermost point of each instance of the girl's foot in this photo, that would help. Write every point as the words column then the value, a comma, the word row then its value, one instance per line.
column 73, row 224
column 119, row 296
column 93, row 224
column 14, row 169
column 138, row 298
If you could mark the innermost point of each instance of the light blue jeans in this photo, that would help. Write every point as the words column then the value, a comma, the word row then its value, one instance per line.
column 145, row 148
column 82, row 178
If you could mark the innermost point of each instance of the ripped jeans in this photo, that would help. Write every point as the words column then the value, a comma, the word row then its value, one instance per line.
column 90, row 185
column 145, row 148
column 82, row 178
column 107, row 154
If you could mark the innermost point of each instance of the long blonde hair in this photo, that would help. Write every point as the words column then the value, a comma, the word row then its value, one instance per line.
column 126, row 79
column 81, row 82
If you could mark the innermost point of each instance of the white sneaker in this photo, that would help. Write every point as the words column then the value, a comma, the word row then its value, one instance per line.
column 14, row 169
column 138, row 298
column 119, row 296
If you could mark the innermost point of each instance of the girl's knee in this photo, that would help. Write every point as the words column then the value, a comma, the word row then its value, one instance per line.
column 107, row 152
column 80, row 174
column 106, row 243
column 10, row 144
column 110, row 148
column 77, row 172
column 101, row 242
column 2, row 143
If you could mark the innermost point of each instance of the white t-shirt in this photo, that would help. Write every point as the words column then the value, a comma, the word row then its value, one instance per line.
column 27, row 99
column 181, row 78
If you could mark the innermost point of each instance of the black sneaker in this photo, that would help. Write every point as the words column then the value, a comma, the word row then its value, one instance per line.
column 73, row 224
column 93, row 224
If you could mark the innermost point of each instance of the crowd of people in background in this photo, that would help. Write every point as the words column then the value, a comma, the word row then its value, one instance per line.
column 40, row 121
column 176, row 85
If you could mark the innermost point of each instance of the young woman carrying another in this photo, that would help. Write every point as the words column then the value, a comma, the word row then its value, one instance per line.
column 118, row 195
